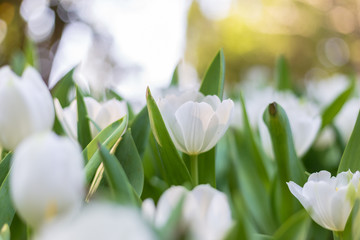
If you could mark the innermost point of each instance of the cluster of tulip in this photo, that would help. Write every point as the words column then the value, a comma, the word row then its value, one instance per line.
column 83, row 169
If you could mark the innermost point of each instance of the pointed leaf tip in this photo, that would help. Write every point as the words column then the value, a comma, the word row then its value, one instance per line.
column 272, row 108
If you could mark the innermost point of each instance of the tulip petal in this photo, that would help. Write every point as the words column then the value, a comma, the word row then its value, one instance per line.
column 194, row 118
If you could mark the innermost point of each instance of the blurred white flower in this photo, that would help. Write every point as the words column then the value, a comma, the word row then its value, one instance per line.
column 99, row 221
column 206, row 211
column 47, row 178
column 328, row 200
column 326, row 138
column 195, row 123
column 26, row 106
column 103, row 114
column 345, row 120
column 304, row 119
column 324, row 91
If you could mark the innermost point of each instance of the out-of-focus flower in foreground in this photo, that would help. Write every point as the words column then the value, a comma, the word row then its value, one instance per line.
column 195, row 122
column 26, row 106
column 102, row 114
column 99, row 221
column 304, row 119
column 206, row 212
column 328, row 200
column 47, row 178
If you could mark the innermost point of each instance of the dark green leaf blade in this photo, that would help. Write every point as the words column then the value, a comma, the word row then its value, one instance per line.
column 62, row 88
column 130, row 160
column 107, row 137
column 350, row 158
column 140, row 130
column 174, row 167
column 175, row 77
column 212, row 84
column 289, row 168
column 296, row 227
column 117, row 178
column 213, row 81
column 83, row 126
column 7, row 210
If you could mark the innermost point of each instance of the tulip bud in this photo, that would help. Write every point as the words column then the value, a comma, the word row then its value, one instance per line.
column 99, row 221
column 26, row 106
column 47, row 177
column 103, row 114
column 328, row 200
column 195, row 123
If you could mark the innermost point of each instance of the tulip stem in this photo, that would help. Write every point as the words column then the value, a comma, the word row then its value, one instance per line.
column 338, row 235
column 194, row 169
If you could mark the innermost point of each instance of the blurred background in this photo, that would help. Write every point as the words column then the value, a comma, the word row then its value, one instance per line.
column 129, row 44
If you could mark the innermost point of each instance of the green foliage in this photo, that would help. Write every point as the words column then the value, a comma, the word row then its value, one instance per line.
column 117, row 178
column 289, row 168
column 330, row 112
column 107, row 137
column 130, row 160
column 282, row 74
column 62, row 88
column 83, row 126
column 212, row 84
column 350, row 157
column 175, row 171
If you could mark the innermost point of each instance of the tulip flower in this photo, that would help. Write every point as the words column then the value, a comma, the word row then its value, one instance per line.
column 26, row 106
column 47, row 177
column 328, row 200
column 205, row 211
column 195, row 122
column 99, row 221
column 304, row 119
column 103, row 114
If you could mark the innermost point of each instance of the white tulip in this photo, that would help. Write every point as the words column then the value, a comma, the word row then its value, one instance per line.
column 304, row 119
column 99, row 221
column 205, row 211
column 328, row 200
column 47, row 177
column 103, row 114
column 195, row 123
column 25, row 106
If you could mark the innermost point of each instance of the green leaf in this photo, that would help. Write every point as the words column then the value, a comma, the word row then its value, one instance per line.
column 18, row 62
column 289, row 167
column 31, row 53
column 175, row 170
column 7, row 210
column 256, row 154
column 117, row 178
column 62, row 88
column 5, row 167
column 130, row 160
column 295, row 228
column 83, row 126
column 140, row 130
column 350, row 158
column 332, row 110
column 212, row 84
column 356, row 221
column 5, row 232
column 175, row 77
column 107, row 137
column 256, row 197
column 213, row 81
column 282, row 74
